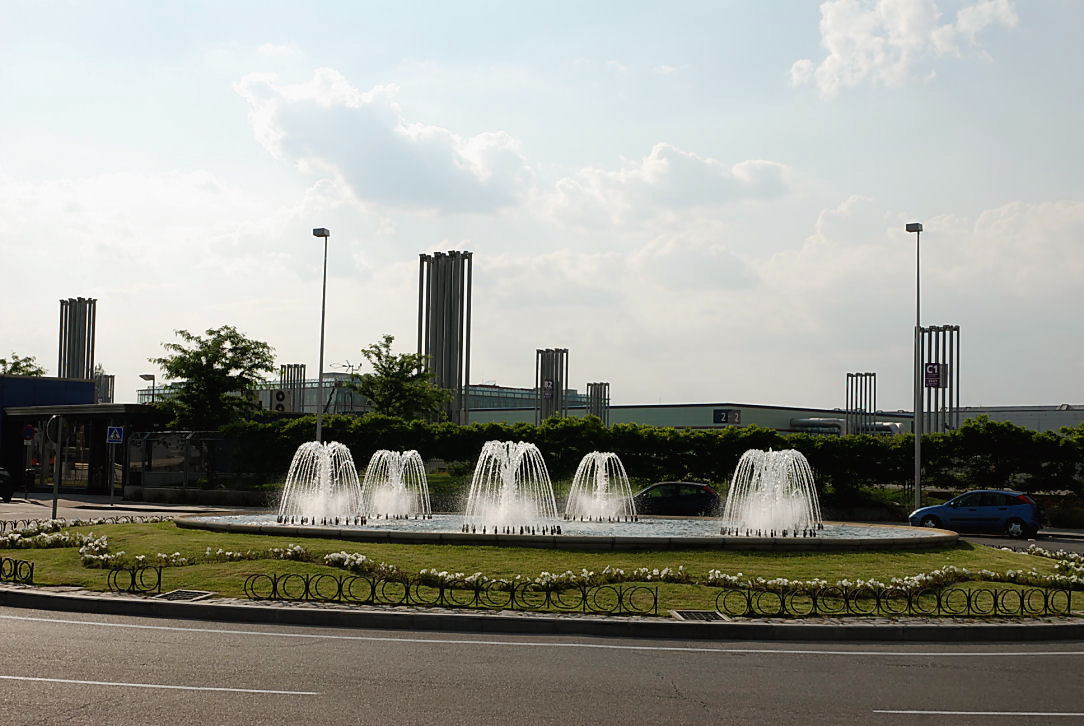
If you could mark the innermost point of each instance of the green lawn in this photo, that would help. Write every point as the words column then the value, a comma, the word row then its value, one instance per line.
column 62, row 567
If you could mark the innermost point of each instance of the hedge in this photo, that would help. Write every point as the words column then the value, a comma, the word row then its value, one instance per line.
column 981, row 453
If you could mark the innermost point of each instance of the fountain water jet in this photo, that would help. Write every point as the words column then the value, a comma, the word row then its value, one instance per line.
column 322, row 484
column 600, row 490
column 394, row 485
column 772, row 492
column 510, row 488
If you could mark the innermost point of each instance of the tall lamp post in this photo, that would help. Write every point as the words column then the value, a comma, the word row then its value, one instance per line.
column 325, row 233
column 916, row 227
column 149, row 377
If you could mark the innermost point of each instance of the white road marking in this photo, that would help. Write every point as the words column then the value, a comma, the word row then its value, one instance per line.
column 525, row 644
column 159, row 685
column 983, row 713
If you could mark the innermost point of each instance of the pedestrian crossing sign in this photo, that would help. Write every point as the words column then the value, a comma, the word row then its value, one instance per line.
column 114, row 435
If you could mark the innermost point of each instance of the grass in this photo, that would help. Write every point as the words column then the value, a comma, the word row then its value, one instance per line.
column 61, row 566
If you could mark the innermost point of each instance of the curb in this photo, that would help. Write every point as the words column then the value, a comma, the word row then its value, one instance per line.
column 544, row 625
column 928, row 539
column 1062, row 535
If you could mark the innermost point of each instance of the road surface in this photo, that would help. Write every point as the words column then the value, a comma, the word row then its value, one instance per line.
column 75, row 668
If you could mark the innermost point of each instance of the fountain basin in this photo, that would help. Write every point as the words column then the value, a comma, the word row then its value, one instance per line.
column 650, row 533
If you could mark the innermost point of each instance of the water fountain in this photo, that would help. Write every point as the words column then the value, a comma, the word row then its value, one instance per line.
column 510, row 490
column 772, row 503
column 394, row 486
column 600, row 490
column 772, row 495
column 321, row 486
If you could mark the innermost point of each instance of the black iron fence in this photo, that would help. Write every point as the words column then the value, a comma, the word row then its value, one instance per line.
column 892, row 602
column 18, row 571
column 16, row 525
column 490, row 595
column 138, row 580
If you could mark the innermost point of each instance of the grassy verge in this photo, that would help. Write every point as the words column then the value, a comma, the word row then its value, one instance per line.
column 62, row 566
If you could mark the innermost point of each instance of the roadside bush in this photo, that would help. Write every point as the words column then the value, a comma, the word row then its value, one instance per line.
column 982, row 453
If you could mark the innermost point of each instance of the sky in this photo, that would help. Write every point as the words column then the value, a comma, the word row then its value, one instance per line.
column 702, row 201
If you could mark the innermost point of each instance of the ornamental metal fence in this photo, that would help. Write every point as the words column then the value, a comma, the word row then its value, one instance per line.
column 136, row 580
column 490, row 595
column 17, row 571
column 16, row 525
column 894, row 602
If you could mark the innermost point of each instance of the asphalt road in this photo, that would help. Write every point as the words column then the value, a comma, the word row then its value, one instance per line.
column 65, row 668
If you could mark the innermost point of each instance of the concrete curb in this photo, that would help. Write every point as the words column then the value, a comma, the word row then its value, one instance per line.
column 542, row 624
column 928, row 538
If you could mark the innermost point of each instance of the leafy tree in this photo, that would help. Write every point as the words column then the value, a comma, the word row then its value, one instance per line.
column 18, row 365
column 215, row 374
column 399, row 384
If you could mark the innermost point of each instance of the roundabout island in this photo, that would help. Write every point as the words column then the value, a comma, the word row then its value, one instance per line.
column 772, row 506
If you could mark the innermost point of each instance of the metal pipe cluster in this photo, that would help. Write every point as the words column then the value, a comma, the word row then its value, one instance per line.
column 551, row 383
column 861, row 409
column 940, row 355
column 598, row 401
column 77, row 322
column 444, row 317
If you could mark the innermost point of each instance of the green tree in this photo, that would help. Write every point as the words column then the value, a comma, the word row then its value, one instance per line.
column 399, row 384
column 215, row 374
column 18, row 365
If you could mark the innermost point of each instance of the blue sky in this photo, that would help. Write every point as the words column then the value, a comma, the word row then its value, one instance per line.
column 702, row 202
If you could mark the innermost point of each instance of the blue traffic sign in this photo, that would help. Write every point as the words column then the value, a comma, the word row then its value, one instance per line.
column 114, row 435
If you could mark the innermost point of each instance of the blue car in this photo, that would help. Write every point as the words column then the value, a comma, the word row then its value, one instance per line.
column 985, row 510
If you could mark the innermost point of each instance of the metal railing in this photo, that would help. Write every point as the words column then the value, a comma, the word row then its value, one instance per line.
column 136, row 580
column 894, row 602
column 489, row 595
column 17, row 571
column 16, row 525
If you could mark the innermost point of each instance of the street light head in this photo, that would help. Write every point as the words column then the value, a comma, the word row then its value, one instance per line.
column 147, row 376
column 914, row 227
column 321, row 232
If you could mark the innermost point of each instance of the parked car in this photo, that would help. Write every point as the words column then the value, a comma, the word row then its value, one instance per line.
column 7, row 485
column 984, row 510
column 678, row 498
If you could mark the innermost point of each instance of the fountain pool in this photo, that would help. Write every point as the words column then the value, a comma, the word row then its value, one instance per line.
column 655, row 533
column 512, row 504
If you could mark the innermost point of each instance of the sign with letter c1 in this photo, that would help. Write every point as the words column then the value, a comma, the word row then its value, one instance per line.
column 935, row 375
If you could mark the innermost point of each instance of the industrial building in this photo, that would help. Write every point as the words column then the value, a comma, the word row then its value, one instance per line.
column 1036, row 418
column 786, row 419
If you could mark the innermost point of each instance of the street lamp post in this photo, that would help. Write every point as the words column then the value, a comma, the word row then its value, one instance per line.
column 325, row 233
column 916, row 227
column 149, row 377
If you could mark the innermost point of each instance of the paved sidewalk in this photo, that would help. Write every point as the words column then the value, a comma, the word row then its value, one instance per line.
column 88, row 506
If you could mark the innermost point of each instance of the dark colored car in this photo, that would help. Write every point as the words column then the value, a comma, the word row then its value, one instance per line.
column 7, row 485
column 677, row 498
column 985, row 510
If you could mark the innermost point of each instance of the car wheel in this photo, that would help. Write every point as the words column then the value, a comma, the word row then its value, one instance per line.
column 931, row 521
column 1016, row 528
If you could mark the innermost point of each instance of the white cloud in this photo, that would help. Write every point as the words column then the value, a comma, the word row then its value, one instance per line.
column 666, row 181
column 666, row 69
column 886, row 42
column 684, row 315
column 279, row 49
column 327, row 125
